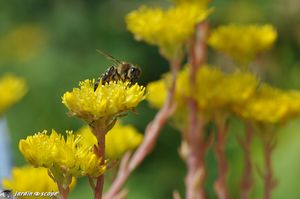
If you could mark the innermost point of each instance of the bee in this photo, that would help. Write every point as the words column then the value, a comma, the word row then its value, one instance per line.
column 122, row 71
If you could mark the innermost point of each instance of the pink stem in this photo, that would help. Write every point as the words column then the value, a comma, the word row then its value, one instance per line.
column 63, row 192
column 220, row 184
column 195, row 160
column 269, row 181
column 197, row 147
column 151, row 134
column 247, row 179
column 100, row 151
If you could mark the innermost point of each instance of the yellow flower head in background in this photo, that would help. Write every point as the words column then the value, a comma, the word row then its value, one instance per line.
column 213, row 89
column 168, row 29
column 32, row 179
column 270, row 105
column 158, row 90
column 119, row 140
column 62, row 156
column 157, row 93
column 216, row 91
column 12, row 90
column 242, row 42
column 22, row 43
column 28, row 178
column 108, row 100
column 235, row 88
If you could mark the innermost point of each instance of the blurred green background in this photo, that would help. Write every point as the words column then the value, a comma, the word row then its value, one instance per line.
column 52, row 44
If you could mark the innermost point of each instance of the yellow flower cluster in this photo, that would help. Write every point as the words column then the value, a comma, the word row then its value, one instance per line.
column 28, row 178
column 119, row 140
column 12, row 90
column 22, row 43
column 242, row 42
column 213, row 90
column 157, row 93
column 270, row 105
column 32, row 179
column 168, row 29
column 216, row 91
column 60, row 155
column 108, row 100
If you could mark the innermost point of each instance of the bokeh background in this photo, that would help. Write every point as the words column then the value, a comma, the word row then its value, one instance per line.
column 51, row 43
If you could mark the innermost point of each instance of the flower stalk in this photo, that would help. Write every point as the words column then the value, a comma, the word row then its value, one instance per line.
column 247, row 178
column 197, row 146
column 100, row 132
column 219, row 149
column 270, row 182
column 64, row 192
column 152, row 132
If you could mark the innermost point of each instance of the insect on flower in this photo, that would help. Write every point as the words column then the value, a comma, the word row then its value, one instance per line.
column 123, row 71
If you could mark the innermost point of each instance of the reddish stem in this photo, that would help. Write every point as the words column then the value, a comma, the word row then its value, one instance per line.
column 63, row 192
column 153, row 128
column 197, row 147
column 269, row 181
column 100, row 151
column 195, row 159
column 220, row 184
column 198, row 46
column 247, row 179
column 151, row 135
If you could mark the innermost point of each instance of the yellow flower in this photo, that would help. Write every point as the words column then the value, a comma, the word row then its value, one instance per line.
column 213, row 89
column 242, row 42
column 62, row 157
column 31, row 179
column 168, row 29
column 22, row 43
column 157, row 93
column 235, row 88
column 120, row 139
column 270, row 105
column 217, row 91
column 108, row 100
column 12, row 90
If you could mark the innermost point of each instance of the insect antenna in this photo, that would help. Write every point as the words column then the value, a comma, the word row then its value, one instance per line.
column 108, row 56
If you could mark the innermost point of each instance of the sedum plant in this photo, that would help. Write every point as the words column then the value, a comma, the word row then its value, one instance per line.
column 193, row 96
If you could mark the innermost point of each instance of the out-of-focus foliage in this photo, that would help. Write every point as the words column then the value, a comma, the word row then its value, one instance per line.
column 22, row 43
